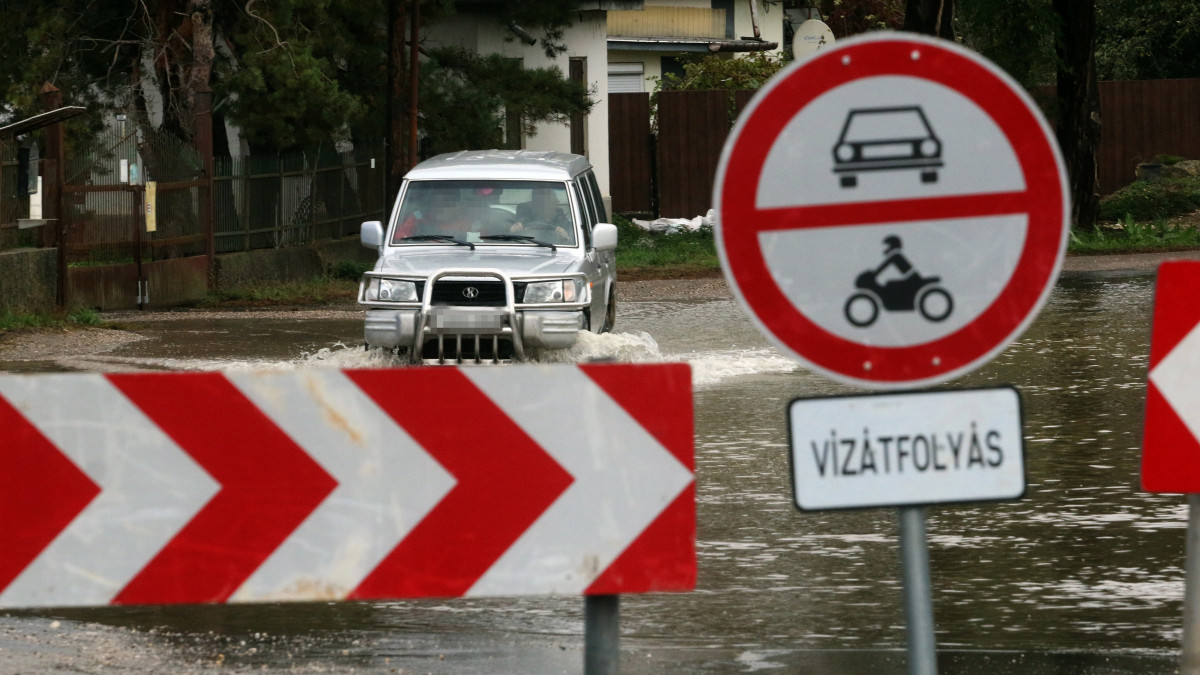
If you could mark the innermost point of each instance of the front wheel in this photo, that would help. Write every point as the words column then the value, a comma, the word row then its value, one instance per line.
column 861, row 310
column 935, row 303
column 610, row 313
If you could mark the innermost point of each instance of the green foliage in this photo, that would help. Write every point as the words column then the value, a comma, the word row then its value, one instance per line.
column 715, row 71
column 1131, row 236
column 846, row 17
column 549, row 17
column 293, row 74
column 85, row 316
column 290, row 85
column 10, row 320
column 1017, row 35
column 1147, row 39
column 1152, row 200
column 286, row 100
column 1168, row 160
column 641, row 253
column 320, row 291
column 465, row 98
column 1135, row 39
column 348, row 270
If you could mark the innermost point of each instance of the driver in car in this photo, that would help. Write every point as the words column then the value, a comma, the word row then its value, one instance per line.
column 542, row 213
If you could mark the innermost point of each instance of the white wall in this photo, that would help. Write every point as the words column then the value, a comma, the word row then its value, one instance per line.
column 770, row 26
column 586, row 38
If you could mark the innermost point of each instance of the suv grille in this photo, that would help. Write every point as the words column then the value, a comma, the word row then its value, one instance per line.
column 487, row 293
column 464, row 348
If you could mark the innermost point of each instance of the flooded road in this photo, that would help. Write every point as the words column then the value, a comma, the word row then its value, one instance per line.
column 1085, row 574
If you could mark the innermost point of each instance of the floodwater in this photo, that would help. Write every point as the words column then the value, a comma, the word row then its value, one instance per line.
column 1082, row 575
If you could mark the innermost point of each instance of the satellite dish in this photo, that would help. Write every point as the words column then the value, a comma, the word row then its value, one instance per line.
column 811, row 36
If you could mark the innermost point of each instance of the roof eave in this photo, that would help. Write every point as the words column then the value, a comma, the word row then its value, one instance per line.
column 678, row 44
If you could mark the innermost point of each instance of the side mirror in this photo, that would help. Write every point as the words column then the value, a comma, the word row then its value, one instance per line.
column 605, row 236
column 371, row 234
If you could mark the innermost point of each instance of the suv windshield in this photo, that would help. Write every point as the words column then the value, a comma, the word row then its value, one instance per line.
column 469, row 210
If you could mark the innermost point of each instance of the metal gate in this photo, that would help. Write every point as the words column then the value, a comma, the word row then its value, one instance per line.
column 131, row 208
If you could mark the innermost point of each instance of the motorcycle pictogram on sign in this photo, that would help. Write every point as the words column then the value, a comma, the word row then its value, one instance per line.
column 908, row 291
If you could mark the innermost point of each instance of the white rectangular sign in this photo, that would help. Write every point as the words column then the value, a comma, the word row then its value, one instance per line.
column 913, row 448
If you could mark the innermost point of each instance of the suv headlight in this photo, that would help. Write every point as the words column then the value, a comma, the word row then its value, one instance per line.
column 380, row 289
column 560, row 290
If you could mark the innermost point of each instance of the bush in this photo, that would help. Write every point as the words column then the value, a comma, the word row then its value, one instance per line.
column 348, row 270
column 1152, row 200
column 640, row 252
column 1130, row 236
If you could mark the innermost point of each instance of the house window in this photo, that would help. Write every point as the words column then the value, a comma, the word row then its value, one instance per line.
column 578, row 73
column 672, row 65
column 726, row 5
column 626, row 78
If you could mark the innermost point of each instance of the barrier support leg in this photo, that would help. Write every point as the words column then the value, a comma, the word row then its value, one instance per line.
column 601, row 634
column 1190, row 660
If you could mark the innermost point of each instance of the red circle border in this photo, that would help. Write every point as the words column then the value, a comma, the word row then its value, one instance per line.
column 1044, row 201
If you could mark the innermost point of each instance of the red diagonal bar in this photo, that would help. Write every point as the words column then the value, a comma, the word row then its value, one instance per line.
column 269, row 485
column 505, row 481
column 663, row 557
column 893, row 211
column 1176, row 312
column 41, row 492
column 1170, row 452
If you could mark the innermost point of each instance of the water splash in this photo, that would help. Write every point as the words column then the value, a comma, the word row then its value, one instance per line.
column 708, row 367
column 637, row 347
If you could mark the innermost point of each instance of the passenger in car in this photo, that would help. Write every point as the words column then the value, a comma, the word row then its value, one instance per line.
column 444, row 214
column 542, row 215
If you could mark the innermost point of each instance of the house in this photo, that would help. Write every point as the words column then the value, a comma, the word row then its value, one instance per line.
column 586, row 58
column 646, row 43
column 617, row 45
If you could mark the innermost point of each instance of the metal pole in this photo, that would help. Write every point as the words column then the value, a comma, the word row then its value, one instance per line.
column 918, row 598
column 601, row 634
column 1190, row 660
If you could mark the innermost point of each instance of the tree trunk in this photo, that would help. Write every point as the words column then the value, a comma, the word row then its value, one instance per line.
column 200, row 15
column 396, row 142
column 1078, row 105
column 931, row 17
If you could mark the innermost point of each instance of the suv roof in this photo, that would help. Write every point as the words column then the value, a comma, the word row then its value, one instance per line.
column 500, row 164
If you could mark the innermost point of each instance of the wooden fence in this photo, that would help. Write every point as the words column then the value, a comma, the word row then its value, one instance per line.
column 1140, row 119
column 1143, row 118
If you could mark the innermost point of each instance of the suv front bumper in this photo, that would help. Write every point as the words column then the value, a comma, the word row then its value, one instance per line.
column 458, row 334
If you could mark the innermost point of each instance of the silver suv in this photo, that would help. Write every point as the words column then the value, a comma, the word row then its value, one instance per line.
column 489, row 254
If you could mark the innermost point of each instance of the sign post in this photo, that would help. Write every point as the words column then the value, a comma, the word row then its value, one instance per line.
column 918, row 593
column 893, row 211
column 1171, row 436
column 908, row 450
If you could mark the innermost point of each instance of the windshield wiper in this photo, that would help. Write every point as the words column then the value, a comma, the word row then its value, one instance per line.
column 438, row 237
column 524, row 238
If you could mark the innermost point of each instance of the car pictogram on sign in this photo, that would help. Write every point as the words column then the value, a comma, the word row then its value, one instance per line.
column 887, row 139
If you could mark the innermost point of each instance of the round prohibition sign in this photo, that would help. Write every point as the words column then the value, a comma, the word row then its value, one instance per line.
column 766, row 287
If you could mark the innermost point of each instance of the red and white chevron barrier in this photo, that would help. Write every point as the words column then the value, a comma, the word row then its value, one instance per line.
column 327, row 485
